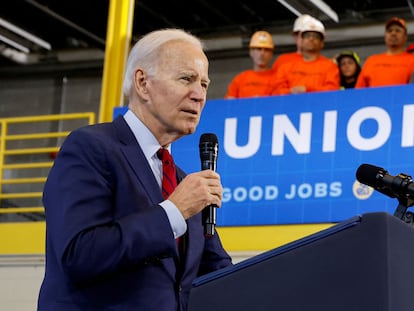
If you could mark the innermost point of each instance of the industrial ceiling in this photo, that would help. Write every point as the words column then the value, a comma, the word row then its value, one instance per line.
column 79, row 26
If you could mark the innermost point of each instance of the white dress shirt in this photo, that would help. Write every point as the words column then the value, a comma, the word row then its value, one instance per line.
column 150, row 146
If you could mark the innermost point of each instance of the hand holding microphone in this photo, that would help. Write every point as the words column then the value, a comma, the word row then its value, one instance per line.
column 201, row 191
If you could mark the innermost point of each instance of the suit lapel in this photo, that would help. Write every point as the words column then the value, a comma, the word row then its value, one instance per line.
column 137, row 161
column 139, row 165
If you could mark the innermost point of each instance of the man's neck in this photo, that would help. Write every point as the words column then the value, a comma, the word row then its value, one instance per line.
column 260, row 68
column 310, row 56
column 395, row 50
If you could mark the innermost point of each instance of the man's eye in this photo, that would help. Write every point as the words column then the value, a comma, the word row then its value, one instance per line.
column 186, row 78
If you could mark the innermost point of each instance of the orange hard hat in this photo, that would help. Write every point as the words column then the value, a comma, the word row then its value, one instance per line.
column 261, row 39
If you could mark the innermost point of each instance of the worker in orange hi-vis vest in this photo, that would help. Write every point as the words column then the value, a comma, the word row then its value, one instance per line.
column 312, row 72
column 255, row 82
column 395, row 66
column 298, row 25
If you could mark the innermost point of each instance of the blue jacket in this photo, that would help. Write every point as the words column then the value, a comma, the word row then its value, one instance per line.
column 109, row 245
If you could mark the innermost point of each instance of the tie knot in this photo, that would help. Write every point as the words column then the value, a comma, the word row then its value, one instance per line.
column 164, row 156
column 169, row 178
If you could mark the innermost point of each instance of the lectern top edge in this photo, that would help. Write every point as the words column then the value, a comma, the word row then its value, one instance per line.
column 354, row 221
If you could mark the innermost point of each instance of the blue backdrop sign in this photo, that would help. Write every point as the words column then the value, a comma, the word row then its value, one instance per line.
column 292, row 159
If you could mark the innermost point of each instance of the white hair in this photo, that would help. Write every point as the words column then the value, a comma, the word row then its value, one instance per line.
column 144, row 54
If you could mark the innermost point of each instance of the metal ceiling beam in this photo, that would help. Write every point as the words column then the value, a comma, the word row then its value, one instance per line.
column 25, row 34
column 66, row 22
column 316, row 8
column 14, row 44
column 325, row 9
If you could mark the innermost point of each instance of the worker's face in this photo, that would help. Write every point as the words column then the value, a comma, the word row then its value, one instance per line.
column 175, row 96
column 395, row 36
column 347, row 66
column 312, row 41
column 261, row 57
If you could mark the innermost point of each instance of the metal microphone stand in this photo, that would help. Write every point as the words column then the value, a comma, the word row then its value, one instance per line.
column 401, row 211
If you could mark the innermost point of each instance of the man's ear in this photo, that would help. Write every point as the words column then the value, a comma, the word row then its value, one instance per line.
column 140, row 82
column 251, row 52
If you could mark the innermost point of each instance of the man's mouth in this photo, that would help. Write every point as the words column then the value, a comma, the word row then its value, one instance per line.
column 191, row 111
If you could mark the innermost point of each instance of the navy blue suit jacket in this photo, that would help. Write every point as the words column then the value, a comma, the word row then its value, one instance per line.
column 109, row 245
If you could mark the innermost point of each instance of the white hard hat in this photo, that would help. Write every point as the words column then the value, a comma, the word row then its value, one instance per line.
column 313, row 25
column 300, row 21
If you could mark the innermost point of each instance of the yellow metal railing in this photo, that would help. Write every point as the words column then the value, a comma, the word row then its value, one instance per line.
column 28, row 146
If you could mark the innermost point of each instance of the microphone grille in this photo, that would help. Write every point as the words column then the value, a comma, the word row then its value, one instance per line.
column 208, row 138
column 367, row 174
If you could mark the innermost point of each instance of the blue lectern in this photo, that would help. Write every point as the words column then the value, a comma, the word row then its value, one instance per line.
column 364, row 263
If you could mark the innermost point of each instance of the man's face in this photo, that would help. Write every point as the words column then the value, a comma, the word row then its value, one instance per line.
column 395, row 36
column 312, row 41
column 177, row 92
column 261, row 57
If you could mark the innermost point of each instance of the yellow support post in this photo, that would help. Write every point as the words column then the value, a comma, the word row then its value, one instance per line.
column 118, row 39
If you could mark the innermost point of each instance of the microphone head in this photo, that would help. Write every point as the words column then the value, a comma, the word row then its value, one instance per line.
column 208, row 144
column 368, row 174
column 208, row 151
column 377, row 178
column 208, row 138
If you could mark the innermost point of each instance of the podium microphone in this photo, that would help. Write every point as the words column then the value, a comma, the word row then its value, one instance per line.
column 208, row 155
column 400, row 186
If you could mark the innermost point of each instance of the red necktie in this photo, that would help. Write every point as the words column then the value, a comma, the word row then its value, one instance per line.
column 169, row 182
column 169, row 177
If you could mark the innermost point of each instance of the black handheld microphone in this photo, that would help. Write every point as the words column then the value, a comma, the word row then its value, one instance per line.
column 400, row 186
column 208, row 155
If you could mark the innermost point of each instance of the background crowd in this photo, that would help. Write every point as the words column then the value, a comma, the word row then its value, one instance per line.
column 308, row 70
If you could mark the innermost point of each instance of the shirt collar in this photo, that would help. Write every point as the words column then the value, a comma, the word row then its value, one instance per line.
column 143, row 135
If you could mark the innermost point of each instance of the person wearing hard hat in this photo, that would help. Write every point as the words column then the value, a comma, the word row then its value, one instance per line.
column 395, row 66
column 311, row 72
column 257, row 81
column 349, row 64
column 297, row 29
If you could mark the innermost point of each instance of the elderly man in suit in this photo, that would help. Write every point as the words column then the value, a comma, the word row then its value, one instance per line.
column 111, row 234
